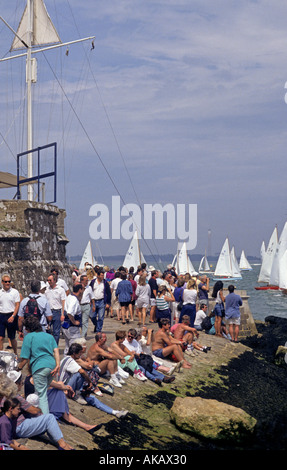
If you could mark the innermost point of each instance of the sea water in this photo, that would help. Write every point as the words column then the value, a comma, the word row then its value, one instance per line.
column 261, row 303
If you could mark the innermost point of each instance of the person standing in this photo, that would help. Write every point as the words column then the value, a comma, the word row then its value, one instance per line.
column 154, row 289
column 203, row 289
column 233, row 303
column 42, row 351
column 124, row 294
column 102, row 294
column 60, row 282
column 87, row 303
column 9, row 306
column 40, row 301
column 73, row 323
column 56, row 297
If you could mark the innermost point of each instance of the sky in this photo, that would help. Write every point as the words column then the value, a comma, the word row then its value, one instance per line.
column 180, row 102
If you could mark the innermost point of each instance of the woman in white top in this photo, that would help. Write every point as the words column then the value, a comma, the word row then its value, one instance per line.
column 143, row 293
column 115, row 304
column 189, row 297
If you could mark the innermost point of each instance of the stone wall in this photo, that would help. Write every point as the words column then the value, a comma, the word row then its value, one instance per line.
column 32, row 239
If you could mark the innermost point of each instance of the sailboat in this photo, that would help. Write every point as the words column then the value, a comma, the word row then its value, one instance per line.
column 35, row 34
column 283, row 273
column 267, row 262
column 134, row 256
column 227, row 266
column 244, row 264
column 279, row 252
column 182, row 261
column 204, row 265
column 87, row 257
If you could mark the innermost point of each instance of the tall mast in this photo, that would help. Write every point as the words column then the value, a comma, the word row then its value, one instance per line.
column 30, row 34
column 30, row 15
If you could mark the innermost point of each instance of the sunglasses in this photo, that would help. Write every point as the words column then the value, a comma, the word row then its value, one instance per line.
column 6, row 282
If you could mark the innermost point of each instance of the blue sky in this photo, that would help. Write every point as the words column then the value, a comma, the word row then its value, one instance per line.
column 180, row 102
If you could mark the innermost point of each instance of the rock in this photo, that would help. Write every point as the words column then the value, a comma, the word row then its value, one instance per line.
column 211, row 419
column 281, row 356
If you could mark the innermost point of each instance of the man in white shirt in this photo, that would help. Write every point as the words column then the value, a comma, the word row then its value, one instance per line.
column 200, row 315
column 56, row 297
column 60, row 282
column 9, row 306
column 87, row 302
column 102, row 295
column 73, row 322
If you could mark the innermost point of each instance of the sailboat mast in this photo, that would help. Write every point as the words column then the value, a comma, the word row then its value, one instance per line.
column 30, row 15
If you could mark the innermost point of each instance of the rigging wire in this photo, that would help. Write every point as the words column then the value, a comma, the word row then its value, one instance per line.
column 112, row 129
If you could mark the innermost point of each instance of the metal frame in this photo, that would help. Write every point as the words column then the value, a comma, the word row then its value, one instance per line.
column 39, row 177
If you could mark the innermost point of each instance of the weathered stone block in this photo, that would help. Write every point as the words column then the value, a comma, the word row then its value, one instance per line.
column 211, row 419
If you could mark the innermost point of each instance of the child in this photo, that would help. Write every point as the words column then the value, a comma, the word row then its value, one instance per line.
column 8, row 422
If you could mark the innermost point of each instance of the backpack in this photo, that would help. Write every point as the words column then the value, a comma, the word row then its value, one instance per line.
column 206, row 323
column 32, row 308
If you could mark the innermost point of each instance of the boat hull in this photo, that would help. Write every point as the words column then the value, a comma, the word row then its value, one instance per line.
column 267, row 288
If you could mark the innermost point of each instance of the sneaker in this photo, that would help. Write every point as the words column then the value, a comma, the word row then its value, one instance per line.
column 120, row 379
column 121, row 414
column 115, row 382
column 139, row 375
column 121, row 372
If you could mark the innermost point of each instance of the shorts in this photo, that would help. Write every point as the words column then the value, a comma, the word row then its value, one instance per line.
column 124, row 304
column 142, row 304
column 10, row 327
column 152, row 302
column 232, row 321
column 158, row 353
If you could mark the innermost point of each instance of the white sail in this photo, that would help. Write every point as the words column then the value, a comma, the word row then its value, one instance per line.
column 283, row 271
column 244, row 264
column 223, row 266
column 184, row 264
column 134, row 256
column 264, row 274
column 234, row 265
column 87, row 257
column 279, row 252
column 44, row 31
column 204, row 265
column 262, row 251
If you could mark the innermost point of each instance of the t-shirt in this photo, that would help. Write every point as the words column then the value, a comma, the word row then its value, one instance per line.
column 39, row 348
column 202, row 293
column 200, row 315
column 8, row 298
column 189, row 296
column 7, row 429
column 68, row 367
column 153, row 286
column 133, row 346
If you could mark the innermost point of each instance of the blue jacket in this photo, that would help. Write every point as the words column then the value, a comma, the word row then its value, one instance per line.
column 107, row 291
column 124, row 291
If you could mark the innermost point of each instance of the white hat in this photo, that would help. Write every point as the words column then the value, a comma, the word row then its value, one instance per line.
column 33, row 399
column 14, row 375
column 43, row 285
column 151, row 268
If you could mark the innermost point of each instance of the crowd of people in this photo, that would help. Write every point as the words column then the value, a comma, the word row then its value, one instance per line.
column 177, row 305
